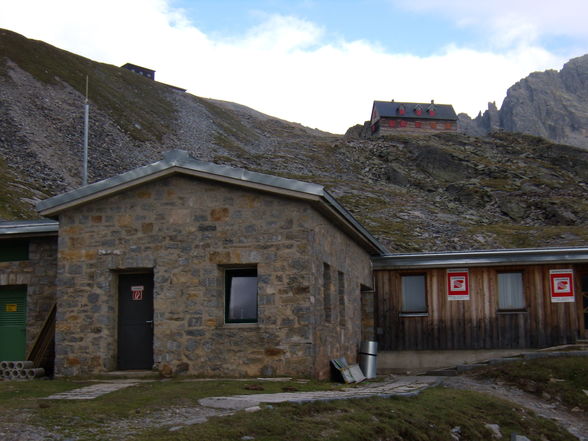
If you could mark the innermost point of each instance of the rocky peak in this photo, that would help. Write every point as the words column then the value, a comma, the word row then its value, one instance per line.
column 549, row 104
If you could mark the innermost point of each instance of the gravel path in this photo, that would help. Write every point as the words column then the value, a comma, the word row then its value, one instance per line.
column 575, row 423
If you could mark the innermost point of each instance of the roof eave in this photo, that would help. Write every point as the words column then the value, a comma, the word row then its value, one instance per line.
column 482, row 258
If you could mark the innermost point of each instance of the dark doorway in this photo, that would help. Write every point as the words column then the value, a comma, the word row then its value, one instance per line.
column 135, row 321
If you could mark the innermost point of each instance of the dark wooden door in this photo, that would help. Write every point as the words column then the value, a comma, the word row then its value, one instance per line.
column 135, row 321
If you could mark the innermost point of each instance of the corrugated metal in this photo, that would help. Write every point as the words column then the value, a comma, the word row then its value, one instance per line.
column 482, row 258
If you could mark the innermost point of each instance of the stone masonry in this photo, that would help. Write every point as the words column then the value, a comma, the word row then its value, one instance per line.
column 187, row 230
column 38, row 273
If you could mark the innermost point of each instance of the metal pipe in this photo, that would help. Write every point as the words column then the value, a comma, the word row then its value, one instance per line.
column 24, row 364
column 86, row 129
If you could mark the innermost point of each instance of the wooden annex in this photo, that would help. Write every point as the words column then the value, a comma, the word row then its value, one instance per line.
column 479, row 322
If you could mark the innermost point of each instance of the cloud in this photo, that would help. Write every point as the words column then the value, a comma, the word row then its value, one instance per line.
column 511, row 22
column 284, row 66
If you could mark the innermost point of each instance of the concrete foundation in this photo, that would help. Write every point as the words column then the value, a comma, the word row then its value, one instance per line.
column 411, row 361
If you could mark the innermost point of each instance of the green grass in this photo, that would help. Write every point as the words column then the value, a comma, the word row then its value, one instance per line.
column 563, row 379
column 430, row 416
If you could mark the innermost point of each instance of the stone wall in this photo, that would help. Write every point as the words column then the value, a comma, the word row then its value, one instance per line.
column 38, row 273
column 341, row 269
column 187, row 231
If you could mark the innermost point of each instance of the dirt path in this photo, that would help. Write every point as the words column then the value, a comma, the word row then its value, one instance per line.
column 575, row 423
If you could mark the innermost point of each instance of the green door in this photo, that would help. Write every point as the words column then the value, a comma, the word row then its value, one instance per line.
column 13, row 303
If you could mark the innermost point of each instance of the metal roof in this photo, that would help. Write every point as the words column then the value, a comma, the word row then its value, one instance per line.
column 481, row 258
column 387, row 109
column 180, row 161
column 29, row 228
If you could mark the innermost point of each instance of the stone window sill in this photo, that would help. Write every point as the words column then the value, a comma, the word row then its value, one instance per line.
column 241, row 325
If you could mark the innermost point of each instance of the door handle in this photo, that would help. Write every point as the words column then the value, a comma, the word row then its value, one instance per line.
column 149, row 321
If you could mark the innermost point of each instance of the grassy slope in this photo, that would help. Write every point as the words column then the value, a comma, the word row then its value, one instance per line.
column 427, row 417
column 455, row 191
column 136, row 103
column 12, row 193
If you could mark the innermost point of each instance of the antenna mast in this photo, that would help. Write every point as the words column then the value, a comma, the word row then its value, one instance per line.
column 86, row 119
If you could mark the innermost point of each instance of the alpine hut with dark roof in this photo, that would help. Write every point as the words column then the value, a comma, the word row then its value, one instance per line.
column 393, row 117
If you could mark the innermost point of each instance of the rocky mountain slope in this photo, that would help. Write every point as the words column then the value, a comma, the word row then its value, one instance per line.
column 549, row 104
column 415, row 193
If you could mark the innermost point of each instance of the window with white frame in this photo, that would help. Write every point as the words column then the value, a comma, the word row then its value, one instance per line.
column 510, row 291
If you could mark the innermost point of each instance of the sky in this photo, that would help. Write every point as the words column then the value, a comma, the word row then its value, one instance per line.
column 319, row 63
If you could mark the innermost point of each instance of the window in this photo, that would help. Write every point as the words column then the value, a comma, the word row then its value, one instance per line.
column 448, row 125
column 341, row 295
column 417, row 124
column 14, row 249
column 414, row 296
column 392, row 123
column 327, row 302
column 241, row 295
column 510, row 291
column 403, row 123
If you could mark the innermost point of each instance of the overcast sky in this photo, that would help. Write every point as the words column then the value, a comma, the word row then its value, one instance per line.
column 319, row 63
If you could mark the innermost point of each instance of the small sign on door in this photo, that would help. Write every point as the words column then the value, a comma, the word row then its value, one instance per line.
column 11, row 307
column 137, row 292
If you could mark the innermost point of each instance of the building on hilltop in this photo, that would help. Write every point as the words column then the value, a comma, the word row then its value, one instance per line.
column 390, row 117
column 147, row 73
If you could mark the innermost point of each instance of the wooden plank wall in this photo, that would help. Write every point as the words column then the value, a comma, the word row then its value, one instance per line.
column 475, row 323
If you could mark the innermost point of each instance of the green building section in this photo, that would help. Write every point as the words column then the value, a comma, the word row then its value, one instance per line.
column 13, row 322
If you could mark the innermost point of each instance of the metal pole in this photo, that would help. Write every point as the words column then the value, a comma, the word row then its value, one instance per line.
column 86, row 119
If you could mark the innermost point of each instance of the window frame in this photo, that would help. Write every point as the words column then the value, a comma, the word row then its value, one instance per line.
column 229, row 274
column 414, row 313
column 500, row 308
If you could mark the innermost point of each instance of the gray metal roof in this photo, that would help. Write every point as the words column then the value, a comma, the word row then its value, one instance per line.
column 390, row 109
column 29, row 228
column 180, row 161
column 482, row 258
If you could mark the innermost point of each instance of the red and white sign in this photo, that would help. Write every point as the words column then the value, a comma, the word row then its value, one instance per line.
column 458, row 284
column 562, row 285
column 137, row 292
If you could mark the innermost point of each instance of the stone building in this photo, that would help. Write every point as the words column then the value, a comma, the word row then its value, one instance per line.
column 28, row 269
column 207, row 269
column 194, row 267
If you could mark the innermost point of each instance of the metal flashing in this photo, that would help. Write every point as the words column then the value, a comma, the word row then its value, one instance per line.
column 454, row 259
column 29, row 228
column 180, row 161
